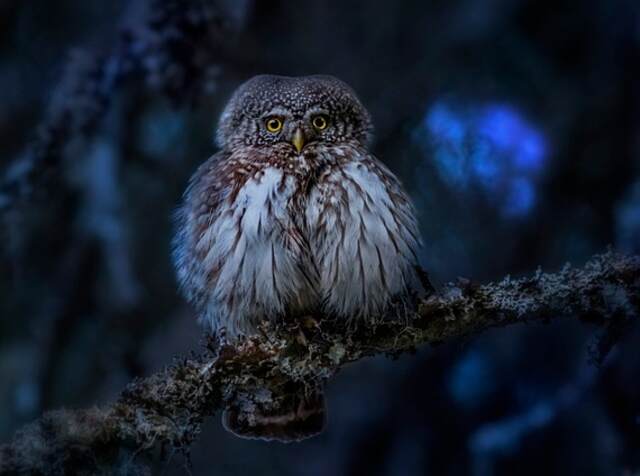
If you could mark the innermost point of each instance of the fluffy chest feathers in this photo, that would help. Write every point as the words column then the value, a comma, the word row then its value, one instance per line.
column 332, row 232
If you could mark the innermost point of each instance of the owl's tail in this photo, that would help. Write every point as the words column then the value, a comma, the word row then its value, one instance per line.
column 297, row 412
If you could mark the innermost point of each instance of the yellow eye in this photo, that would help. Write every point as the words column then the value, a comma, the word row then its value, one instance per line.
column 319, row 122
column 273, row 124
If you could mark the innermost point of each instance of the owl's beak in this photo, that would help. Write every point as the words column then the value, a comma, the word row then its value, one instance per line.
column 298, row 139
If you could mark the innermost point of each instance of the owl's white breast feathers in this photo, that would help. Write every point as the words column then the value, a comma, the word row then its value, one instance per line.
column 365, row 242
column 345, row 246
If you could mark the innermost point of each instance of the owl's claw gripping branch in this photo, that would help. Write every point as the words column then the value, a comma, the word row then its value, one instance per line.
column 170, row 406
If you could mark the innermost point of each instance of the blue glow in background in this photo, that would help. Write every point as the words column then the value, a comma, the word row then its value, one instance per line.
column 491, row 147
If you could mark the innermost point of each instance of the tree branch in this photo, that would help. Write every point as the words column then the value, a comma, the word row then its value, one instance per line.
column 170, row 406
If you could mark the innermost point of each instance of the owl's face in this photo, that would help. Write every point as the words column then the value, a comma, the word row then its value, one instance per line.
column 294, row 113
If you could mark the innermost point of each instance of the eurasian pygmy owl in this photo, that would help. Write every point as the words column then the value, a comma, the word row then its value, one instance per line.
column 292, row 217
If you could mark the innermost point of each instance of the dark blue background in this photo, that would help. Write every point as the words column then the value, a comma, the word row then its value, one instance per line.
column 515, row 126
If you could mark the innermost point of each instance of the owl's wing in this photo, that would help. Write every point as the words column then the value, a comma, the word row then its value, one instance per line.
column 201, row 206
column 388, row 223
column 399, row 206
column 407, row 224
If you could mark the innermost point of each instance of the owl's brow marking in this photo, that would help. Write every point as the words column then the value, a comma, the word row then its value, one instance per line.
column 278, row 111
column 315, row 110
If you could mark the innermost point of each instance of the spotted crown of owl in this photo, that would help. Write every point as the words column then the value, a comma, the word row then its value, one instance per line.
column 294, row 97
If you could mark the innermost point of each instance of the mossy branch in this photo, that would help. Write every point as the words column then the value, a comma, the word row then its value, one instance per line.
column 169, row 407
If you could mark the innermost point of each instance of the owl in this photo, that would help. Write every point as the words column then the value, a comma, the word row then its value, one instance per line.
column 293, row 217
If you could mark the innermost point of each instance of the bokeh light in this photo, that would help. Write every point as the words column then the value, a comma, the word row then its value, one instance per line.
column 491, row 147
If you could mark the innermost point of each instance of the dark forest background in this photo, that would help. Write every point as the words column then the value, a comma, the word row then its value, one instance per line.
column 514, row 124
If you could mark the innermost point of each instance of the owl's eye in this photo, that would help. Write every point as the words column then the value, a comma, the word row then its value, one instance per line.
column 273, row 124
column 320, row 122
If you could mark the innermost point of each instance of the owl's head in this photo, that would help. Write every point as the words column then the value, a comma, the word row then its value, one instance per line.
column 298, row 112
